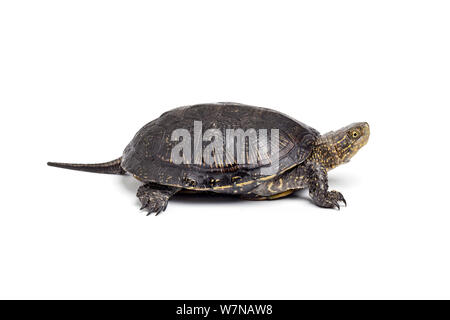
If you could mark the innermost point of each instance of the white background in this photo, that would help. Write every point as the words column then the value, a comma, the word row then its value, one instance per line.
column 79, row 78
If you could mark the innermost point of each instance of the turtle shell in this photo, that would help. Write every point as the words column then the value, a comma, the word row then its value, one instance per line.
column 148, row 157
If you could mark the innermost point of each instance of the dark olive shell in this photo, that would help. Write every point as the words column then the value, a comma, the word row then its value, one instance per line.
column 148, row 155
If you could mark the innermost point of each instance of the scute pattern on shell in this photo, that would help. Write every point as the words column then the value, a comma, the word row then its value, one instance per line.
column 148, row 155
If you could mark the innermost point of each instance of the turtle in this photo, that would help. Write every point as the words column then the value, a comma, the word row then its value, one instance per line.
column 174, row 153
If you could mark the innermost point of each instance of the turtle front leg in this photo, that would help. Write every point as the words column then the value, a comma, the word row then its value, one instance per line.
column 318, row 188
column 154, row 197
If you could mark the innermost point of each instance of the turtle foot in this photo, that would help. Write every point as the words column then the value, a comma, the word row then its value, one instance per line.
column 330, row 199
column 154, row 198
column 153, row 205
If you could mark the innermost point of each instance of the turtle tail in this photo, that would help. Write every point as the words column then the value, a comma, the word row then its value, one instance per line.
column 111, row 167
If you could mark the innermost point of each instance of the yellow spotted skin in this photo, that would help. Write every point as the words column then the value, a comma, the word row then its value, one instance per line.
column 335, row 148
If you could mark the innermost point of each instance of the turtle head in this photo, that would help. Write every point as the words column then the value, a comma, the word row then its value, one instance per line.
column 338, row 147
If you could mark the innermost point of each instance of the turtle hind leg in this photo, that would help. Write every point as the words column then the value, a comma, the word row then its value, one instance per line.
column 154, row 197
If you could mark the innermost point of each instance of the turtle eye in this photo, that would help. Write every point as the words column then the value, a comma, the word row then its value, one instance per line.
column 354, row 134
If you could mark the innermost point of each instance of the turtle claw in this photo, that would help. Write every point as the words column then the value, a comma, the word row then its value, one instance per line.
column 162, row 209
column 155, row 206
column 145, row 202
column 144, row 205
column 330, row 199
column 337, row 197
